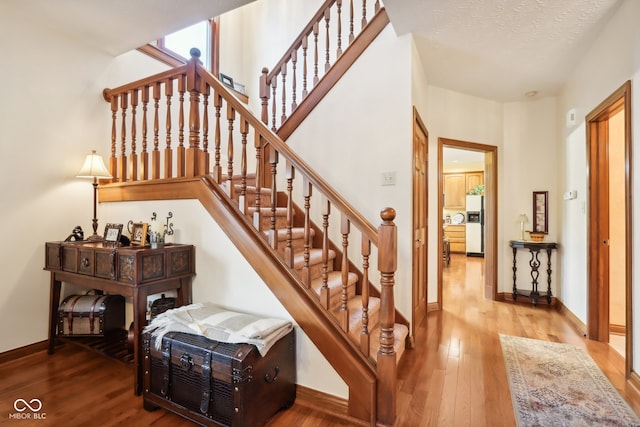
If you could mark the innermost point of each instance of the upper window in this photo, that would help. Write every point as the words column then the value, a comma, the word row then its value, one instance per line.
column 174, row 48
column 182, row 41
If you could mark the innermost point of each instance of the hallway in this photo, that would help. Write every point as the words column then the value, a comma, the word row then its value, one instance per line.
column 456, row 375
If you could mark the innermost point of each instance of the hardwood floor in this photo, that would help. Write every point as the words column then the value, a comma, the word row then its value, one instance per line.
column 455, row 376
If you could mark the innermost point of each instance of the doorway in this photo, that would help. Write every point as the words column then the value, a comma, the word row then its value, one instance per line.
column 609, row 220
column 489, row 153
column 420, row 220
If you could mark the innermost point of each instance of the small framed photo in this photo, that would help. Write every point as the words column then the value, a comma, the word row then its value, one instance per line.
column 112, row 233
column 540, row 211
column 139, row 233
column 226, row 80
column 239, row 87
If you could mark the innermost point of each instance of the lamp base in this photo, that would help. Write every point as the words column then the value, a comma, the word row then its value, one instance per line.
column 95, row 238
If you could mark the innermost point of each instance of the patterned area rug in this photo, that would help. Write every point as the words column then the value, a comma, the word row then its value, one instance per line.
column 556, row 384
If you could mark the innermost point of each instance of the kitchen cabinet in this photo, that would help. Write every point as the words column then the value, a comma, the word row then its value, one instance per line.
column 473, row 179
column 457, row 185
column 454, row 190
column 456, row 233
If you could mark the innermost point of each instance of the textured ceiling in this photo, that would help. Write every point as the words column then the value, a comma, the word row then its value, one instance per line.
column 495, row 49
column 500, row 49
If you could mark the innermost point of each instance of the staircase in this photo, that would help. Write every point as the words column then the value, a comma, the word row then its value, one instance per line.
column 309, row 245
column 338, row 289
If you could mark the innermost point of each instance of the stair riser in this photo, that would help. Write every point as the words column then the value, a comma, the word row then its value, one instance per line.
column 297, row 245
column 265, row 221
column 335, row 300
column 355, row 329
column 316, row 270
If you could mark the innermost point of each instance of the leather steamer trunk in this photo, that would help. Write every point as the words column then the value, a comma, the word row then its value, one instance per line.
column 216, row 383
column 90, row 315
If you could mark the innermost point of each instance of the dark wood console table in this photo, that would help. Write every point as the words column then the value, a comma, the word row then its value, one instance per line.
column 131, row 271
column 534, row 248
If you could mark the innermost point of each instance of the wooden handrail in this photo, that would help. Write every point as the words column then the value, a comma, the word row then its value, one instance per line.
column 324, row 30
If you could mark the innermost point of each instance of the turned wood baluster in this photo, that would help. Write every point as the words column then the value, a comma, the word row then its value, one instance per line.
column 206, row 91
column 345, row 226
column 305, row 72
column 324, row 291
column 316, row 31
column 386, row 358
column 133, row 159
column 258, row 142
column 327, row 17
column 274, row 83
column 123, row 138
column 113, row 160
column 283, row 73
column 155, row 156
column 294, row 61
column 273, row 232
column 217, row 167
column 306, row 270
column 264, row 95
column 377, row 6
column 168, row 154
column 288, row 250
column 144, row 160
column 351, row 20
column 180, row 163
column 364, row 13
column 242, row 200
column 364, row 335
column 231, row 116
column 339, row 50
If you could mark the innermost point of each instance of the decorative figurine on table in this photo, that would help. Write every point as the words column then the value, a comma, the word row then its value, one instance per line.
column 158, row 230
column 77, row 234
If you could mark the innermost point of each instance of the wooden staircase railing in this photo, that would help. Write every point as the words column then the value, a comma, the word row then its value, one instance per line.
column 332, row 40
column 219, row 129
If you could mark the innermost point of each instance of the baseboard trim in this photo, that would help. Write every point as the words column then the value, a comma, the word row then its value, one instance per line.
column 522, row 299
column 577, row 324
column 327, row 403
column 617, row 329
column 433, row 306
column 634, row 380
column 19, row 352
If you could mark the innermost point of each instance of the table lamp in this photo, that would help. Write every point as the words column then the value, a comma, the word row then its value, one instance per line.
column 94, row 168
column 523, row 220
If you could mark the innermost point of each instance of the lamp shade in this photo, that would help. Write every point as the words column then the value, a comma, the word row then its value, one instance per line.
column 93, row 167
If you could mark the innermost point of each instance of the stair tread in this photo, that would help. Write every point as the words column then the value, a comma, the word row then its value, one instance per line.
column 315, row 257
column 280, row 211
column 296, row 233
column 334, row 282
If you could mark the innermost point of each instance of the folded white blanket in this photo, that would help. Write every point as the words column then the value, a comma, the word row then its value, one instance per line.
column 219, row 324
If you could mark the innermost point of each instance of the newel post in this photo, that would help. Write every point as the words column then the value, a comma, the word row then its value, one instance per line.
column 194, row 154
column 386, row 359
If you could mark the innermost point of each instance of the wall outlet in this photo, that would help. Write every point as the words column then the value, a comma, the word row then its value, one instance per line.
column 389, row 178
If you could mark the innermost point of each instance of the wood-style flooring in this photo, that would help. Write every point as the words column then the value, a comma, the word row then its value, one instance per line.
column 454, row 376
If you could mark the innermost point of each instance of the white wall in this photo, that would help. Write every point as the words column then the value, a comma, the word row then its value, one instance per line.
column 362, row 129
column 613, row 59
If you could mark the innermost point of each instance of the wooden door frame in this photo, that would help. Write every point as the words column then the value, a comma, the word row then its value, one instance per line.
column 598, row 295
column 419, row 312
column 491, row 212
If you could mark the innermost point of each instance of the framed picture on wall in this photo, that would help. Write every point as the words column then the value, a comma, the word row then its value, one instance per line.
column 540, row 211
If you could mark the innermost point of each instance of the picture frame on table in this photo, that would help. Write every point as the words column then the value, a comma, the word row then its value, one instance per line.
column 226, row 80
column 139, row 233
column 112, row 233
column 541, row 211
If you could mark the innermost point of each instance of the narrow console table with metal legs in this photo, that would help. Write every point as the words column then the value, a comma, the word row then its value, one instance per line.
column 534, row 249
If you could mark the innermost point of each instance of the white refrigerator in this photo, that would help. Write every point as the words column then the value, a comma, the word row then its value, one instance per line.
column 475, row 226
